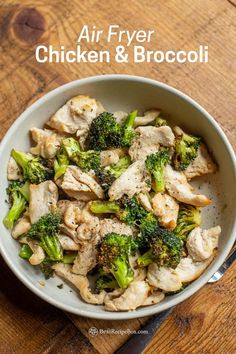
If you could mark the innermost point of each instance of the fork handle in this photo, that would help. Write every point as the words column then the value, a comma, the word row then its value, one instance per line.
column 138, row 342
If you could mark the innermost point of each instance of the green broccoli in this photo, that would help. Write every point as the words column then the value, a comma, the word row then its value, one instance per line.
column 127, row 131
column 108, row 175
column 104, row 132
column 160, row 122
column 186, row 150
column 120, row 167
column 159, row 245
column 113, row 257
column 106, row 282
column 25, row 252
column 18, row 193
column 46, row 268
column 86, row 160
column 61, row 162
column 69, row 257
column 46, row 230
column 126, row 209
column 189, row 217
column 34, row 168
column 156, row 163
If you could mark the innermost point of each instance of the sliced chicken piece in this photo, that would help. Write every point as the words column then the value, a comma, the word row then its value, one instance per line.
column 89, row 227
column 120, row 116
column 14, row 172
column 67, row 243
column 63, row 204
column 178, row 187
column 148, row 141
column 114, row 225
column 80, row 185
column 189, row 270
column 43, row 200
column 47, row 141
column 154, row 298
column 22, row 226
column 166, row 209
column 38, row 253
column 80, row 282
column 88, row 232
column 71, row 216
column 201, row 243
column 144, row 200
column 133, row 297
column 114, row 294
column 108, row 157
column 76, row 114
column 201, row 165
column 169, row 279
column 163, row 278
column 134, row 180
column 86, row 259
column 148, row 118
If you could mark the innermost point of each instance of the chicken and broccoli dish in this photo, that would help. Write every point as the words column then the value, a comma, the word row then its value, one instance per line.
column 104, row 201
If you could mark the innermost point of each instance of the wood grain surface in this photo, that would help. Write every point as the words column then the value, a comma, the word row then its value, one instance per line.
column 205, row 323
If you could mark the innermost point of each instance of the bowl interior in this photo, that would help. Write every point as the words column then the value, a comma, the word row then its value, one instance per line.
column 125, row 93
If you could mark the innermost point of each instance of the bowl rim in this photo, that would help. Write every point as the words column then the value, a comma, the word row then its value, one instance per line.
column 145, row 311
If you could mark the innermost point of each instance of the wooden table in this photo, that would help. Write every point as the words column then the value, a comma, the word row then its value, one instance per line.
column 206, row 322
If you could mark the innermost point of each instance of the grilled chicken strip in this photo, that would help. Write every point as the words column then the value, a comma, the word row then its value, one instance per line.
column 43, row 200
column 201, row 165
column 22, row 226
column 201, row 243
column 80, row 185
column 80, row 282
column 134, row 180
column 13, row 170
column 149, row 140
column 133, row 297
column 47, row 141
column 166, row 209
column 169, row 279
column 76, row 115
column 178, row 187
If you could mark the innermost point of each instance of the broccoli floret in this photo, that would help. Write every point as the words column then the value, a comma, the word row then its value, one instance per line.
column 126, row 209
column 60, row 163
column 46, row 230
column 156, row 163
column 186, row 150
column 86, row 160
column 160, row 122
column 189, row 217
column 46, row 268
column 104, row 132
column 25, row 252
column 106, row 282
column 108, row 175
column 127, row 131
column 113, row 257
column 120, row 167
column 105, row 179
column 18, row 193
column 34, row 168
column 163, row 246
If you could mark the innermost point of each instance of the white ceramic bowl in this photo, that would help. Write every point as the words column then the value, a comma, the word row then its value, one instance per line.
column 121, row 92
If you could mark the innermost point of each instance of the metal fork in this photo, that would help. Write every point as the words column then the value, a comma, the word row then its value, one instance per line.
column 138, row 342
